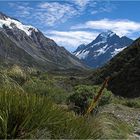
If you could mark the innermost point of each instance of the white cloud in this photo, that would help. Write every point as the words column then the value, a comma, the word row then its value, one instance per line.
column 121, row 26
column 71, row 39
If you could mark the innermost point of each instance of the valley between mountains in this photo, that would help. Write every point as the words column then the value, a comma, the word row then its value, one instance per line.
column 46, row 91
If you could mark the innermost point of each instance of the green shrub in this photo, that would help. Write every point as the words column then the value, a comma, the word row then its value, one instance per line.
column 83, row 95
column 45, row 76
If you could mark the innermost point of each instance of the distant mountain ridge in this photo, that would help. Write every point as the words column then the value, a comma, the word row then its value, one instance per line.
column 102, row 49
column 34, row 48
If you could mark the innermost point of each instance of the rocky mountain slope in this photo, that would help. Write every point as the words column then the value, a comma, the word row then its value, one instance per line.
column 124, row 70
column 102, row 49
column 26, row 45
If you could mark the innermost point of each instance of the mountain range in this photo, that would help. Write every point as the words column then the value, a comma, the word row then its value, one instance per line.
column 102, row 49
column 28, row 46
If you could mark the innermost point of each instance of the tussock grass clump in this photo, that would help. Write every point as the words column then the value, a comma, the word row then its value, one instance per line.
column 134, row 102
column 17, row 74
column 46, row 88
column 7, row 84
column 25, row 115
column 113, row 127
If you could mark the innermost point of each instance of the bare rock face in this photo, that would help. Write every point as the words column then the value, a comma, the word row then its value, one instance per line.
column 43, row 52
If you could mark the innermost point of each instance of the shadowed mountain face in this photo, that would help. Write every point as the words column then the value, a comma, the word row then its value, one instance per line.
column 102, row 49
column 26, row 45
column 124, row 70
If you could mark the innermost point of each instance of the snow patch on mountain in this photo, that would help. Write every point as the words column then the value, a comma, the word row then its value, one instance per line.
column 82, row 55
column 1, row 25
column 11, row 23
column 98, row 43
column 111, row 34
column 117, row 51
column 101, row 51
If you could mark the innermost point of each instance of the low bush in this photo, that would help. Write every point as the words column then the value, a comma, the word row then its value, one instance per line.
column 83, row 95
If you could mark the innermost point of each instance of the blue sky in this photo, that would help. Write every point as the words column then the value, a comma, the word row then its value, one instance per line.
column 71, row 23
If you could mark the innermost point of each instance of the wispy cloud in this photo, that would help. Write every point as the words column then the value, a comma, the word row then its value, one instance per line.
column 22, row 9
column 52, row 13
column 48, row 13
column 121, row 26
column 82, row 3
column 71, row 39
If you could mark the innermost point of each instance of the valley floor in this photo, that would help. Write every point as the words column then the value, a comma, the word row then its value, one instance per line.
column 127, row 114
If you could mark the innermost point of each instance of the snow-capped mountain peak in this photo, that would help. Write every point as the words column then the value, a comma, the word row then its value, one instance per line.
column 2, row 15
column 106, row 45
column 107, row 33
column 13, row 23
column 104, row 36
